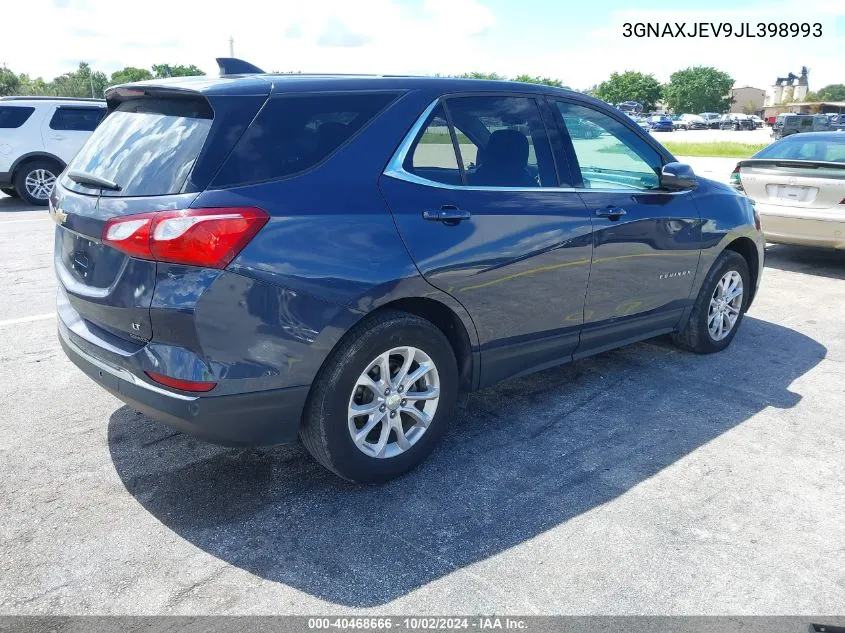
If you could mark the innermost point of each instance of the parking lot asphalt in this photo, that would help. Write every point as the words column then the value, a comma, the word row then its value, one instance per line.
column 642, row 481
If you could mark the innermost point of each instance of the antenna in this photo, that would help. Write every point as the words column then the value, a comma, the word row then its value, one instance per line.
column 231, row 46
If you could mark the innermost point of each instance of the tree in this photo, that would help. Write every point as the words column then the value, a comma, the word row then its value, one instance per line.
column 477, row 75
column 699, row 89
column 83, row 82
column 530, row 79
column 833, row 92
column 10, row 83
column 129, row 74
column 630, row 86
column 166, row 70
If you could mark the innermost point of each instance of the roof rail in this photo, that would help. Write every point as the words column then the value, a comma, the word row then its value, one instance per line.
column 235, row 66
column 43, row 98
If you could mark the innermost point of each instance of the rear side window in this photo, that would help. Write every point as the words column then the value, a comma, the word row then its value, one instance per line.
column 292, row 134
column 77, row 119
column 147, row 146
column 433, row 154
column 14, row 116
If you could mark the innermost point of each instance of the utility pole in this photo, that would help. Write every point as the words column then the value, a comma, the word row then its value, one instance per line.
column 231, row 46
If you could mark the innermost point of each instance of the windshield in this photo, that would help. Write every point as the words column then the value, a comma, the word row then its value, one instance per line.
column 146, row 146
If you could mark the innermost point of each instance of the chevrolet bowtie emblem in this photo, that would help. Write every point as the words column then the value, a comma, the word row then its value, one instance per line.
column 58, row 215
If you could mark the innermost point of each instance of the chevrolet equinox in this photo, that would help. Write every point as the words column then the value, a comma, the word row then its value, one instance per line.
column 256, row 257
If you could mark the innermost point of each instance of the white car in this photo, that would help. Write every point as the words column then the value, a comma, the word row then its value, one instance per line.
column 38, row 137
column 798, row 188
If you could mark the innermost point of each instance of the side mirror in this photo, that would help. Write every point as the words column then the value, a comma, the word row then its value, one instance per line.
column 677, row 177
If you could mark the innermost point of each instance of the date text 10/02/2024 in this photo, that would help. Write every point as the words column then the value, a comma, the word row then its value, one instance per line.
column 721, row 29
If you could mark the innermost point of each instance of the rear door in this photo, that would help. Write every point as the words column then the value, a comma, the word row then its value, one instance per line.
column 480, row 208
column 646, row 242
column 69, row 127
column 150, row 147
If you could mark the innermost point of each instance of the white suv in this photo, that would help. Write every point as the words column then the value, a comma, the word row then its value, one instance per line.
column 38, row 137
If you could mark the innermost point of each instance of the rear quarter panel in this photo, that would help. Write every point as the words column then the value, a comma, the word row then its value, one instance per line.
column 329, row 255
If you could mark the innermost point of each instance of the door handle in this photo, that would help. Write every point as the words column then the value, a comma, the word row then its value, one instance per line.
column 57, row 137
column 612, row 213
column 447, row 214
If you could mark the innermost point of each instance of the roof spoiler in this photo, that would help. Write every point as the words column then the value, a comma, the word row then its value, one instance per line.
column 235, row 66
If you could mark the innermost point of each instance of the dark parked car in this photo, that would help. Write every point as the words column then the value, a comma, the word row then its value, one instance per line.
column 660, row 123
column 257, row 258
column 736, row 122
column 584, row 129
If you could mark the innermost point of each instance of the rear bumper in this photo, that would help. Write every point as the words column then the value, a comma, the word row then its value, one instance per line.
column 5, row 179
column 256, row 418
column 803, row 227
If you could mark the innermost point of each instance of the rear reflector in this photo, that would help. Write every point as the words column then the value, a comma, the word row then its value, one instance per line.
column 184, row 385
column 210, row 238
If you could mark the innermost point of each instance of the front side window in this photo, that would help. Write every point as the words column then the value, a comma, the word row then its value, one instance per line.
column 14, row 116
column 616, row 158
column 77, row 119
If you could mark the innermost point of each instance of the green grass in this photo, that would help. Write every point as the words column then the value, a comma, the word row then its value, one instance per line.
column 722, row 149
column 433, row 138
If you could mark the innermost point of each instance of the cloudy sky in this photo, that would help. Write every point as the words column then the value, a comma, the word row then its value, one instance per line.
column 576, row 41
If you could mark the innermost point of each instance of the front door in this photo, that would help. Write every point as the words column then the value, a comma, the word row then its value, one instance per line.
column 646, row 241
column 479, row 206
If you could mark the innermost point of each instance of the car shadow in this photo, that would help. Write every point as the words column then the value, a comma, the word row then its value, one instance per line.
column 522, row 457
column 811, row 261
column 11, row 204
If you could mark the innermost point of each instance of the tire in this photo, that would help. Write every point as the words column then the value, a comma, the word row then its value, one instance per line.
column 44, row 172
column 327, row 424
column 696, row 335
column 9, row 191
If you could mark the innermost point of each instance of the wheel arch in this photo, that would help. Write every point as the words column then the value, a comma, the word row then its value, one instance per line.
column 748, row 250
column 31, row 156
column 448, row 322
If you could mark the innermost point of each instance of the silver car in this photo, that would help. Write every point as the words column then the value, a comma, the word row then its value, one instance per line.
column 798, row 187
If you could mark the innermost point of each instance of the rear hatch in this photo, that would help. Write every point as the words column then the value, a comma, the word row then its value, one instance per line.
column 159, row 147
column 801, row 172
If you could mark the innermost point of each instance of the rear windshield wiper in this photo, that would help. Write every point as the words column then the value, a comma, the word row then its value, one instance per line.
column 93, row 181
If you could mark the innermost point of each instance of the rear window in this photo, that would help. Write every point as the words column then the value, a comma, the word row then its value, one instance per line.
column 77, row 119
column 797, row 148
column 147, row 146
column 293, row 134
column 14, row 116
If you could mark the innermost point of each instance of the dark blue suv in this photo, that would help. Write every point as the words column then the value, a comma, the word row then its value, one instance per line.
column 259, row 257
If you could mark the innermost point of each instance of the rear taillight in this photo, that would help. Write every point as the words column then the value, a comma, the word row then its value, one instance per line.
column 210, row 238
column 736, row 181
column 184, row 385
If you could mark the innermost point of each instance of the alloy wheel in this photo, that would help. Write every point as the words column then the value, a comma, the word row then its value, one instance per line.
column 39, row 183
column 725, row 305
column 393, row 402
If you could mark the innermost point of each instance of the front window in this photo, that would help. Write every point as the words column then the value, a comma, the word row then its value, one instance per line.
column 617, row 158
